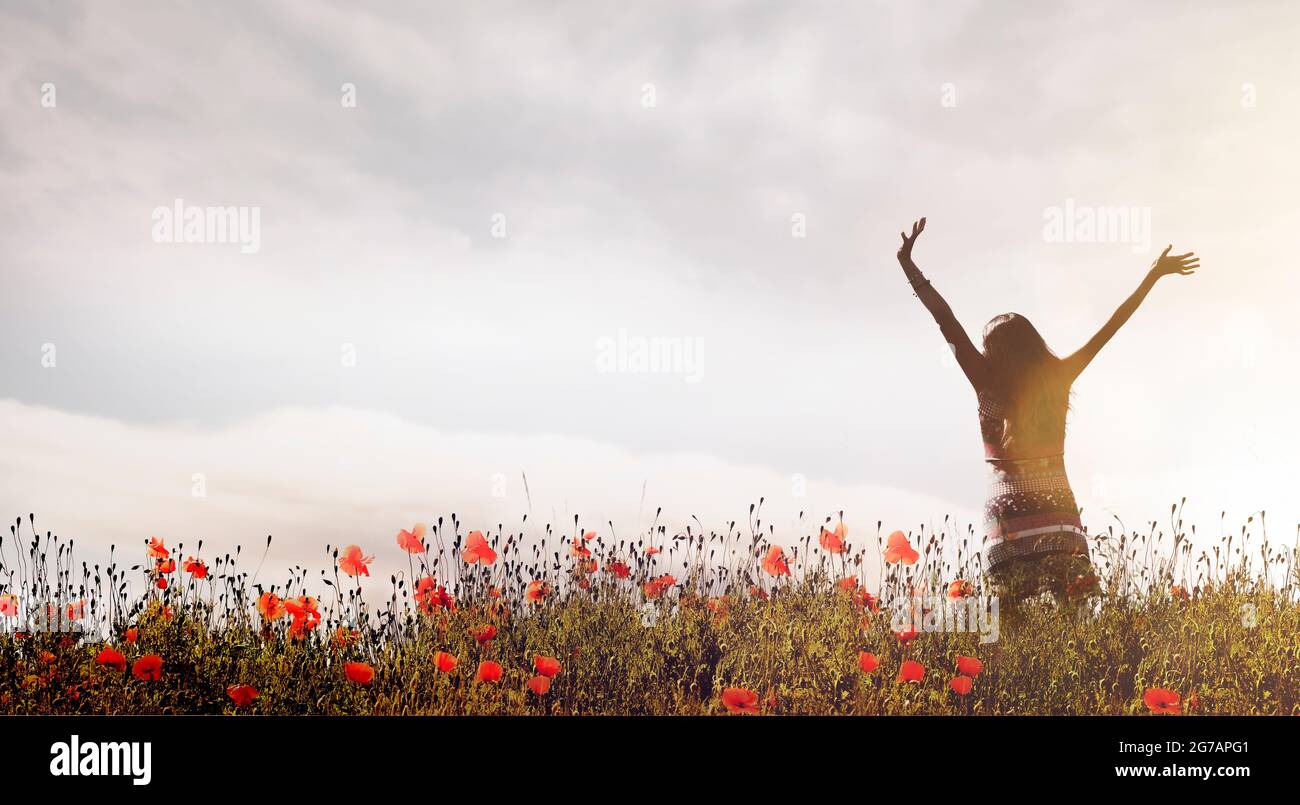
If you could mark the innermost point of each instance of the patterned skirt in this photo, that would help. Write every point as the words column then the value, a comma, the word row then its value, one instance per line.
column 1031, row 511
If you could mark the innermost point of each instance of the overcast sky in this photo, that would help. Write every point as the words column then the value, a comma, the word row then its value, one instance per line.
column 439, row 261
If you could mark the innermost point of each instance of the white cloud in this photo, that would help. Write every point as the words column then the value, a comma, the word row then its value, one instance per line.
column 315, row 476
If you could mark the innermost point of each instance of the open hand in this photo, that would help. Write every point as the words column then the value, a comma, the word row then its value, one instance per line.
column 905, row 251
column 1168, row 263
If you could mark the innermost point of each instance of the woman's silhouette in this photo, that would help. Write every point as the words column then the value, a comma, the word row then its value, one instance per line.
column 1023, row 391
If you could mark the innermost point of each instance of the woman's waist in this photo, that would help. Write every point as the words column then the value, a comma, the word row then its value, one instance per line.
column 1049, row 468
column 1050, row 454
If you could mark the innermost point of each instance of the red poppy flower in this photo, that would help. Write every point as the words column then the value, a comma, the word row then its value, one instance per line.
column 911, row 671
column 655, row 588
column 537, row 591
column 304, row 607
column 161, row 583
column 478, row 550
column 305, row 615
column 132, row 634
column 196, row 568
column 774, row 563
column 546, row 666
column 270, row 606
column 112, row 658
column 651, row 551
column 148, row 667
column 865, row 599
column 488, row 671
column 539, row 685
column 899, row 550
column 719, row 607
column 485, row 633
column 867, row 661
column 960, row 589
column 243, row 695
column 740, row 700
column 412, row 541
column 359, row 672
column 301, row 627
column 1082, row 584
column 1180, row 592
column 619, row 569
column 344, row 637
column 589, row 535
column 578, row 549
column 430, row 596
column 970, row 666
column 444, row 662
column 156, row 549
column 9, row 605
column 961, row 685
column 1162, row 700
column 833, row 541
column 907, row 634
column 353, row 561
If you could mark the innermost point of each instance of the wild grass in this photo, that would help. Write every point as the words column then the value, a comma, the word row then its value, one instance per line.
column 665, row 623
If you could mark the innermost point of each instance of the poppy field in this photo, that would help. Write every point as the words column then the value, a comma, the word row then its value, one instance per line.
column 838, row 620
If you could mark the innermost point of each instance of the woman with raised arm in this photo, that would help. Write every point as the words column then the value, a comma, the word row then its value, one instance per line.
column 1031, row 520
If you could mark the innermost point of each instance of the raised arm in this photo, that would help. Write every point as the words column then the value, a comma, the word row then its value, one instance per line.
column 1164, row 264
column 968, row 357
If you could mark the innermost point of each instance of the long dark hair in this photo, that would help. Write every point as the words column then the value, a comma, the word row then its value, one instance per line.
column 1028, row 381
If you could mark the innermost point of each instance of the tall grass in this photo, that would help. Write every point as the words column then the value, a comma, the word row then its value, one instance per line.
column 690, row 622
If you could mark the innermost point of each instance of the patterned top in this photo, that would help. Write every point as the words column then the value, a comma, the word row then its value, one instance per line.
column 993, row 413
column 1030, row 502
